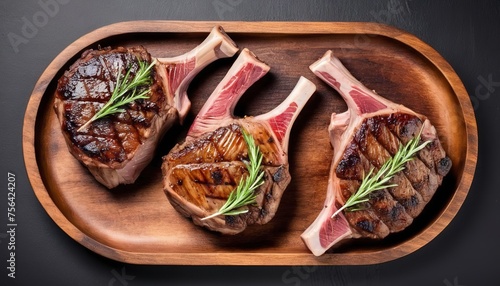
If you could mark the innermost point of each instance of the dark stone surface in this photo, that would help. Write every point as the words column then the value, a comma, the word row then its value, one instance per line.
column 465, row 33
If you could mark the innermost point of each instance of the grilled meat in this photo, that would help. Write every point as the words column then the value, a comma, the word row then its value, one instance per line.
column 364, row 137
column 116, row 148
column 200, row 173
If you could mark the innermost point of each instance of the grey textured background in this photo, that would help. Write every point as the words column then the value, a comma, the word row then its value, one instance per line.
column 465, row 33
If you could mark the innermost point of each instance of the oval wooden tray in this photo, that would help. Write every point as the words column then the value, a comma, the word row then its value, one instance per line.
column 136, row 223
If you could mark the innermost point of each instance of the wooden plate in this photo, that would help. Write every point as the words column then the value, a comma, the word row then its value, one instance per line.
column 136, row 223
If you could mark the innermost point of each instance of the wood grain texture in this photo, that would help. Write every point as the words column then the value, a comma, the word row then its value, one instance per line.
column 136, row 223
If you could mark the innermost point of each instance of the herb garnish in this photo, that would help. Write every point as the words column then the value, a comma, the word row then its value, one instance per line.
column 125, row 91
column 244, row 194
column 378, row 181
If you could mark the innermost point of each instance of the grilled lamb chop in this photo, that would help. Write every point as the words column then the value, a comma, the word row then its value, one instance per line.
column 365, row 136
column 200, row 173
column 116, row 148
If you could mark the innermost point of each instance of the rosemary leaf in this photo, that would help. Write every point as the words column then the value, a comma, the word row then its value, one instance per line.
column 126, row 91
column 244, row 194
column 373, row 182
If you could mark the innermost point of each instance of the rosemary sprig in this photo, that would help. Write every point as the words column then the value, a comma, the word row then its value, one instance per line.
column 125, row 91
column 373, row 182
column 244, row 194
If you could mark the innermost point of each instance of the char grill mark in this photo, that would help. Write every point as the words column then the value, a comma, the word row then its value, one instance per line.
column 198, row 182
column 226, row 144
column 365, row 137
column 117, row 147
column 373, row 144
column 367, row 224
column 213, row 165
column 88, row 85
column 200, row 173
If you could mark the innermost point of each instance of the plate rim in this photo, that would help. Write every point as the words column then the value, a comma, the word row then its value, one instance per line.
column 261, row 258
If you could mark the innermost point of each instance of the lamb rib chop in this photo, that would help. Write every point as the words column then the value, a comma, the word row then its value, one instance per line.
column 116, row 148
column 200, row 173
column 364, row 137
